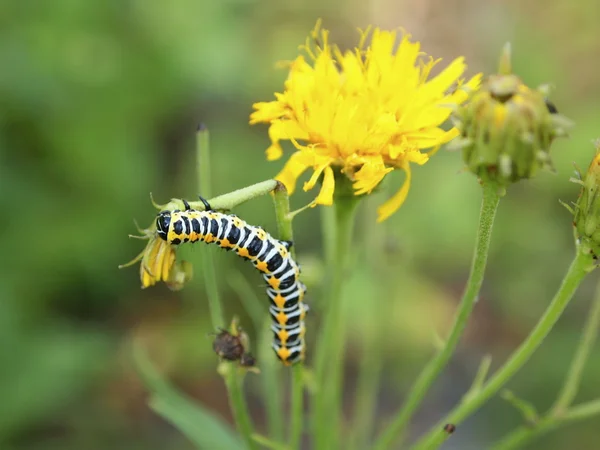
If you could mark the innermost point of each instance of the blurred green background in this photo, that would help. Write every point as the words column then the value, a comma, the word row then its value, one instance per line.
column 99, row 102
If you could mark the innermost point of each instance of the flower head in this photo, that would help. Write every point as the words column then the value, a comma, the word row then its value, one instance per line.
column 507, row 127
column 367, row 112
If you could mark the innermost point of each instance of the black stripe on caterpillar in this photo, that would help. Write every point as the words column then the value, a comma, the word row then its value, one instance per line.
column 270, row 256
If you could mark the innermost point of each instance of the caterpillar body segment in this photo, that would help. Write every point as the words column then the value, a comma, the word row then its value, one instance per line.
column 269, row 256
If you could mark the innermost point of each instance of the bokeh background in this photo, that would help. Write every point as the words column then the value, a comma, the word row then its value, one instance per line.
column 99, row 102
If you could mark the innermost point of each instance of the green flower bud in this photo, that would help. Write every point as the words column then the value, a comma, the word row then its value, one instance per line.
column 587, row 208
column 507, row 128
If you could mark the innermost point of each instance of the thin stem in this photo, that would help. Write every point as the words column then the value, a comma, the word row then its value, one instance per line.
column 580, row 266
column 286, row 233
column 297, row 407
column 371, row 362
column 239, row 407
column 559, row 412
column 232, row 380
column 270, row 381
column 329, row 352
column 366, row 396
column 227, row 201
column 584, row 411
column 588, row 337
column 208, row 266
column 523, row 434
column 489, row 206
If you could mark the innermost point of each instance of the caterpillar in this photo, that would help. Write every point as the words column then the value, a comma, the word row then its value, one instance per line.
column 269, row 256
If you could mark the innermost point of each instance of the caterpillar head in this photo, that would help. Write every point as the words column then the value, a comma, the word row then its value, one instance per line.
column 163, row 221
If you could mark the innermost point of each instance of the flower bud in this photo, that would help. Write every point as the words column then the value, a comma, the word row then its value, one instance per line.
column 587, row 208
column 507, row 128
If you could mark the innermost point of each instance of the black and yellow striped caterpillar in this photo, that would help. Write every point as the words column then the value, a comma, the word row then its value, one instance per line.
column 269, row 255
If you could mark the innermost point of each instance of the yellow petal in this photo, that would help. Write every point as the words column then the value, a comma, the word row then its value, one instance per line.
column 315, row 176
column 168, row 261
column 293, row 168
column 370, row 175
column 267, row 111
column 325, row 196
column 274, row 152
column 392, row 205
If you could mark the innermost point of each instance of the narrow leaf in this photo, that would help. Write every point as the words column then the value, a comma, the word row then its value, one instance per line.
column 268, row 443
column 199, row 425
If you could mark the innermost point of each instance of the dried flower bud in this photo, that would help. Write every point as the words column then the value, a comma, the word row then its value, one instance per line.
column 228, row 346
column 507, row 128
column 232, row 345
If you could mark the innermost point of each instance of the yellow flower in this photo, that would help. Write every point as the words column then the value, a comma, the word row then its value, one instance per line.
column 367, row 111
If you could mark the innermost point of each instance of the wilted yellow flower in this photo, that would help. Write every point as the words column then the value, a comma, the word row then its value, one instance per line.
column 157, row 262
column 367, row 111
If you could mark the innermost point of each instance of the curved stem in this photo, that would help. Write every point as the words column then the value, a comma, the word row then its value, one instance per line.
column 489, row 206
column 590, row 332
column 559, row 412
column 580, row 266
column 286, row 232
column 329, row 352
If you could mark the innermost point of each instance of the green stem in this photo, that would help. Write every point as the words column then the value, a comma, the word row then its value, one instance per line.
column 366, row 396
column 580, row 266
column 523, row 434
column 238, row 405
column 286, row 233
column 232, row 380
column 489, row 206
column 583, row 411
column 227, row 201
column 208, row 266
column 559, row 412
column 588, row 337
column 371, row 362
column 329, row 352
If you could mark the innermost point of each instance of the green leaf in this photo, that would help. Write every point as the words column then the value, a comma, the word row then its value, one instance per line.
column 268, row 443
column 196, row 423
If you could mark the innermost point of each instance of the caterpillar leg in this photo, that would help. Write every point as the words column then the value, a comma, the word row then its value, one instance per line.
column 207, row 206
